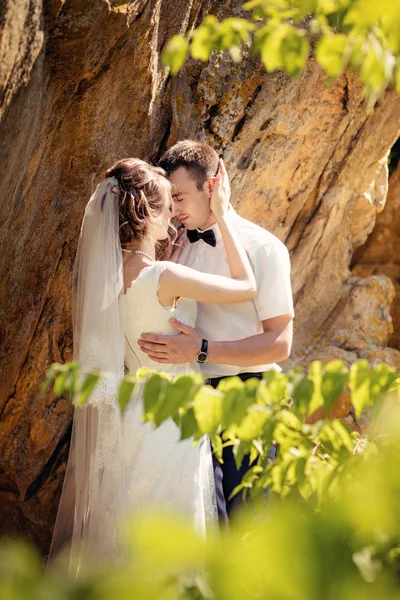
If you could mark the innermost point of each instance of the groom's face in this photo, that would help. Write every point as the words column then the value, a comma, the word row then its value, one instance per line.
column 192, row 206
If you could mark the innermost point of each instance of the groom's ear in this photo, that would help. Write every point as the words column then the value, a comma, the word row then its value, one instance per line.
column 210, row 184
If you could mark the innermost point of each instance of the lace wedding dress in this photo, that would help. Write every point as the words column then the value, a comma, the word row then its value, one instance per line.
column 125, row 465
column 159, row 468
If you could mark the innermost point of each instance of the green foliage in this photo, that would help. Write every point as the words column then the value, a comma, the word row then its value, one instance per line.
column 176, row 53
column 332, row 526
column 363, row 35
column 250, row 415
column 349, row 548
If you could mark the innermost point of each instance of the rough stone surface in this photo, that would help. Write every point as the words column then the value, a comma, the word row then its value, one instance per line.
column 380, row 255
column 82, row 84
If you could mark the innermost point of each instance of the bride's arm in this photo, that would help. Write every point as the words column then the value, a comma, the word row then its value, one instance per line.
column 180, row 281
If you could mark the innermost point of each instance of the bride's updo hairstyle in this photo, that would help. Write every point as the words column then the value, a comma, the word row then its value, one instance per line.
column 142, row 191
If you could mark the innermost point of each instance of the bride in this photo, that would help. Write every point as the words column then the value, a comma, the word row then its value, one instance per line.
column 118, row 464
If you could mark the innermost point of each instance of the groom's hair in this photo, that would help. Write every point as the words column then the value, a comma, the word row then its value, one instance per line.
column 200, row 160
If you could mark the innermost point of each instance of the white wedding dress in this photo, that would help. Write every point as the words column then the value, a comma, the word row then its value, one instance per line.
column 119, row 465
column 160, row 470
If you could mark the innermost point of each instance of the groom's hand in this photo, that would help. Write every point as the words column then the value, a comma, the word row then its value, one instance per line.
column 173, row 349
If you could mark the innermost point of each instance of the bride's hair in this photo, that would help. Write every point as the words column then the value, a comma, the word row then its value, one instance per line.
column 141, row 196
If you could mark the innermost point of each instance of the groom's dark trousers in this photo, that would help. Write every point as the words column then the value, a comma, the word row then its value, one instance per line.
column 226, row 475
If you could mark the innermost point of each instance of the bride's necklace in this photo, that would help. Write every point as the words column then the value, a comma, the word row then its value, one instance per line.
column 139, row 252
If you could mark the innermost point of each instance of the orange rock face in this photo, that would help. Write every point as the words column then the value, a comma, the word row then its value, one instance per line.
column 81, row 85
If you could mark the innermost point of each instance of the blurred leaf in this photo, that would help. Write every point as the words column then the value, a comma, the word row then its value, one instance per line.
column 315, row 376
column 216, row 444
column 240, row 450
column 154, row 392
column 178, row 393
column 167, row 540
column 274, row 389
column 203, row 39
column 368, row 384
column 330, row 54
column 253, row 424
column 207, row 407
column 189, row 425
column 300, row 389
column 49, row 377
column 125, row 391
column 175, row 53
column 334, row 380
column 235, row 401
column 87, row 387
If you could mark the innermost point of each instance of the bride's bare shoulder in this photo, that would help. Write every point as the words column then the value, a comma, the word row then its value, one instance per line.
column 133, row 267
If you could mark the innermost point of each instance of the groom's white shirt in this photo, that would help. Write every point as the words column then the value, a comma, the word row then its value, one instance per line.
column 230, row 322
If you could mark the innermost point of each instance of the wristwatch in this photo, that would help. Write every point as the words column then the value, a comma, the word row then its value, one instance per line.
column 202, row 355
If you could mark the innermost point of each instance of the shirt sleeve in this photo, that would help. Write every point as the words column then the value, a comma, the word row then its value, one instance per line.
column 271, row 266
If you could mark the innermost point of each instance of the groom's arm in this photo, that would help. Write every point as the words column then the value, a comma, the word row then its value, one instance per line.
column 273, row 345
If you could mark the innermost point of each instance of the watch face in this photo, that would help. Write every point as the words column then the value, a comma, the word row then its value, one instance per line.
column 201, row 357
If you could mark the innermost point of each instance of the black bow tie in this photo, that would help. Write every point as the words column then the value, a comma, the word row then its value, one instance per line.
column 207, row 236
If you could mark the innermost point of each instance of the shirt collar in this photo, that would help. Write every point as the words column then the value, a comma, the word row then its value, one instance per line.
column 215, row 228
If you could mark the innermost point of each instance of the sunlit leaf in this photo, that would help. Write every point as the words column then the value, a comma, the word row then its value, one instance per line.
column 334, row 380
column 154, row 392
column 125, row 391
column 330, row 54
column 203, row 39
column 87, row 387
column 207, row 407
column 175, row 53
column 315, row 372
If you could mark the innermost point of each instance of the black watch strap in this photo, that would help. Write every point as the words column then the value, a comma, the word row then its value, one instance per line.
column 202, row 355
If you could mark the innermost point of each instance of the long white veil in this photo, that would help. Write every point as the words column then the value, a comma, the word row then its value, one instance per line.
column 93, row 491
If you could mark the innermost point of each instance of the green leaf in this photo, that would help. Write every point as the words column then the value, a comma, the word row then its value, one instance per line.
column 344, row 433
column 334, row 380
column 330, row 53
column 125, row 391
column 248, row 480
column 87, row 387
column 270, row 49
column 315, row 376
column 177, row 394
column 175, row 53
column 282, row 46
column 240, row 450
column 59, row 383
column 374, row 67
column 272, row 389
column 49, row 377
column 232, row 32
column 235, row 401
column 294, row 50
column 154, row 392
column 189, row 424
column 300, row 389
column 207, row 407
column 253, row 424
column 203, row 39
column 369, row 385
column 217, row 447
column 142, row 373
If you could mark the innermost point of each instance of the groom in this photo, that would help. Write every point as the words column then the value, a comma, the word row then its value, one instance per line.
column 243, row 339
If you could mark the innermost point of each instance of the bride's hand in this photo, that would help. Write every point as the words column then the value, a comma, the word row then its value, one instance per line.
column 177, row 247
column 221, row 193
